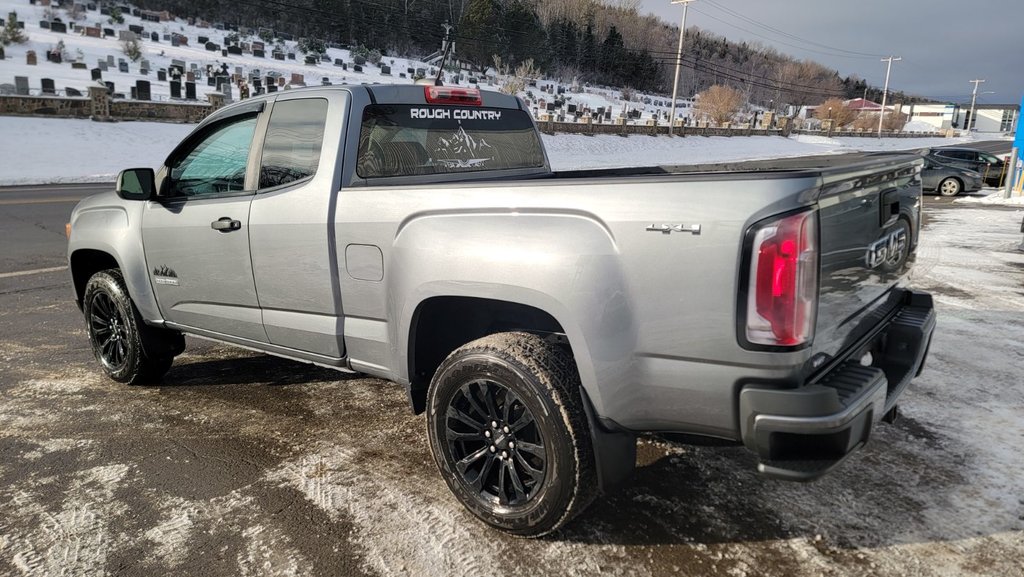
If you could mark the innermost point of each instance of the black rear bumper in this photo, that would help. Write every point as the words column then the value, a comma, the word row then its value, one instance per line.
column 800, row 434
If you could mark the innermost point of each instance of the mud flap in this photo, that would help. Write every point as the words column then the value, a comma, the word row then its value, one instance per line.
column 614, row 451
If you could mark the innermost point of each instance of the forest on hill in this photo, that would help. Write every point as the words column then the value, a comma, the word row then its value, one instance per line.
column 597, row 41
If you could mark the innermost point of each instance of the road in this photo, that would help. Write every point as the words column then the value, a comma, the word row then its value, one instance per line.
column 241, row 463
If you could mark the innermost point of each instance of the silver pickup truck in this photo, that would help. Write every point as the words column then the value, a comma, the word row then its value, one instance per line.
column 540, row 319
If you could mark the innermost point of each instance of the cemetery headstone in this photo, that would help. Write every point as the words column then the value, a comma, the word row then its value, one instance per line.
column 298, row 79
column 97, row 74
column 44, row 24
column 385, row 70
column 135, row 28
column 93, row 32
column 338, row 61
column 175, row 42
column 280, row 81
column 110, row 59
column 122, row 67
column 357, row 68
column 175, row 89
column 47, row 85
column 211, row 81
column 154, row 37
column 401, row 74
column 271, row 88
column 161, row 75
column 102, row 65
column 142, row 89
column 421, row 72
column 310, row 59
column 59, row 27
column 79, row 66
column 278, row 55
column 259, row 53
column 21, row 85
column 203, row 39
column 225, row 89
column 344, row 65
column 212, row 47
column 190, row 91
column 107, row 32
column 190, row 76
column 235, row 50
column 167, row 38
column 410, row 70
column 291, row 56
column 30, row 58
column 224, row 52
column 134, row 93
column 69, row 91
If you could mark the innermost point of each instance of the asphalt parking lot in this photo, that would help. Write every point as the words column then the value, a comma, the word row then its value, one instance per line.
column 241, row 463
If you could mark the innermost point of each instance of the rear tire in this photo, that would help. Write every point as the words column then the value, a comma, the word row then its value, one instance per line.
column 507, row 429
column 127, row 349
column 950, row 186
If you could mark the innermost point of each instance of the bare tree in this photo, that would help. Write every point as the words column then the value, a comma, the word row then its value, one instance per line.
column 719, row 103
column 515, row 81
column 836, row 110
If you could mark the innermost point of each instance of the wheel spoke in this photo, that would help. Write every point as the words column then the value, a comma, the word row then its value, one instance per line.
column 517, row 484
column 537, row 475
column 107, row 344
column 470, row 459
column 467, row 392
column 97, row 320
column 531, row 448
column 120, row 352
column 467, row 420
column 492, row 410
column 478, row 483
column 522, row 422
column 510, row 399
column 502, row 490
column 454, row 435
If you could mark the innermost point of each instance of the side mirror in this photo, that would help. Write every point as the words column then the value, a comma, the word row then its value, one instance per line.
column 136, row 184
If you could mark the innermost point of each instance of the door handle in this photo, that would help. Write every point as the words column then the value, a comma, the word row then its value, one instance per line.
column 225, row 224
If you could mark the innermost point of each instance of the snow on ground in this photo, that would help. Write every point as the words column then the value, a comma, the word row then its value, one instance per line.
column 994, row 198
column 49, row 150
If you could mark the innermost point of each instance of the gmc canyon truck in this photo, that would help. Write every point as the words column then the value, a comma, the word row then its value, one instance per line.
column 540, row 319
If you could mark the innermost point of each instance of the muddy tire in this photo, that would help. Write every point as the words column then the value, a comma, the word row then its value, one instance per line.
column 507, row 429
column 950, row 186
column 127, row 349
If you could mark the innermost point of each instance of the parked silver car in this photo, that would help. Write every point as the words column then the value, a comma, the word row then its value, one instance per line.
column 948, row 180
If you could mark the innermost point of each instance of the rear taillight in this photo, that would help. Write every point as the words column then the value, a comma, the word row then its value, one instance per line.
column 452, row 95
column 782, row 295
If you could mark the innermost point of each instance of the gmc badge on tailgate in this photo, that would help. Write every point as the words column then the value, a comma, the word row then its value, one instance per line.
column 887, row 247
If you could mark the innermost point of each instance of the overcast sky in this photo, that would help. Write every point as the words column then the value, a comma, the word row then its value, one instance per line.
column 944, row 43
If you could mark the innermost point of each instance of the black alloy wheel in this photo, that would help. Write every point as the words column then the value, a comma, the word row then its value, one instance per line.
column 107, row 329
column 494, row 440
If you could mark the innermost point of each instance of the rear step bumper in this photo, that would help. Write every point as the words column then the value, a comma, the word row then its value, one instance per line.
column 801, row 434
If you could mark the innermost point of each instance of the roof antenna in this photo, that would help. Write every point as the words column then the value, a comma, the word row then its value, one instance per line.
column 447, row 47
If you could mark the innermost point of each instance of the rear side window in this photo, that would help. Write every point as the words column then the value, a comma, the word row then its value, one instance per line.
column 404, row 140
column 295, row 135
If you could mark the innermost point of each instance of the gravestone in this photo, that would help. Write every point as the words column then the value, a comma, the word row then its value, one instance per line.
column 310, row 59
column 93, row 32
column 357, row 68
column 298, row 79
column 338, row 61
column 110, row 60
column 551, row 106
column 211, row 81
column 90, row 7
column 203, row 39
column 110, row 86
column 144, row 64
column 175, row 89
column 385, row 70
column 190, row 91
column 225, row 89
column 238, row 71
column 97, row 74
column 154, row 37
column 53, row 56
column 280, row 81
column 224, row 52
column 126, row 36
column 47, row 84
column 167, row 37
column 122, row 67
column 30, row 58
column 344, row 65
column 421, row 72
column 190, row 76
column 107, row 32
column 44, row 24
column 161, row 75
column 178, row 65
column 8, row 89
column 136, row 29
column 102, row 65
column 401, row 74
column 278, row 55
column 410, row 70
column 142, row 90
column 472, row 80
column 271, row 88
column 135, row 93
column 571, row 109
column 79, row 66
column 175, row 42
column 291, row 56
column 21, row 85
column 212, row 47
column 235, row 50
column 258, row 53
column 325, row 81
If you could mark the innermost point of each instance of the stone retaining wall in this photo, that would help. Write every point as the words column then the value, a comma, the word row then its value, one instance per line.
column 100, row 106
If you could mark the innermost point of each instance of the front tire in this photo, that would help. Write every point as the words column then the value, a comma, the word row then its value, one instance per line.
column 507, row 430
column 950, row 186
column 128, row 351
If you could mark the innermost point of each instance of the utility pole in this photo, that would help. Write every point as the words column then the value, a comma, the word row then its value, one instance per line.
column 974, row 97
column 679, row 63
column 885, row 91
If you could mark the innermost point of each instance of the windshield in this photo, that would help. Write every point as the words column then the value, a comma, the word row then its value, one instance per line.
column 404, row 140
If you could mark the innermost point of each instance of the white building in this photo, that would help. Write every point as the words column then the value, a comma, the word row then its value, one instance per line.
column 1000, row 118
column 941, row 116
